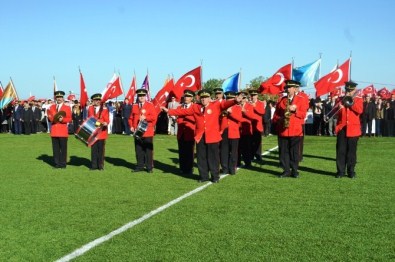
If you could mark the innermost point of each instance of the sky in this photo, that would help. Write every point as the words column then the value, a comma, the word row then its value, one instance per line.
column 46, row 39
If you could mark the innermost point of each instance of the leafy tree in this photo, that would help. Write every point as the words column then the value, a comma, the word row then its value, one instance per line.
column 213, row 83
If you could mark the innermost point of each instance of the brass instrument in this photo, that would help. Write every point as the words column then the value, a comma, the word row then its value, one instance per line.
column 347, row 101
column 287, row 114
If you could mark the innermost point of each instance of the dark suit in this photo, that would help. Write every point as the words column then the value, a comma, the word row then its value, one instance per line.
column 17, row 116
column 367, row 117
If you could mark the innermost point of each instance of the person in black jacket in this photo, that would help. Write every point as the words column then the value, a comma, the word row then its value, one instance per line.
column 27, row 118
column 368, row 115
column 126, row 110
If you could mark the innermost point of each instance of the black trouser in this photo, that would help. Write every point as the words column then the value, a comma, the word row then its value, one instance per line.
column 97, row 154
column 245, row 150
column 367, row 123
column 346, row 153
column 186, row 155
column 126, row 125
column 207, row 159
column 256, row 145
column 144, row 148
column 301, row 143
column 289, row 153
column 229, row 153
column 59, row 148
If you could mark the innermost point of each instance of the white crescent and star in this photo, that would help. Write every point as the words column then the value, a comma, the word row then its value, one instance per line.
column 192, row 80
column 282, row 78
column 340, row 72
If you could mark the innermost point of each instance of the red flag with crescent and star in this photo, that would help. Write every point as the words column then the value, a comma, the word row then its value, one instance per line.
column 190, row 80
column 83, row 92
column 161, row 97
column 369, row 90
column 276, row 83
column 384, row 93
column 334, row 79
column 1, row 90
column 113, row 88
column 132, row 90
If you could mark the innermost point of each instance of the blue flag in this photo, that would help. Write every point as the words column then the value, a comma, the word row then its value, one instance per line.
column 231, row 83
column 307, row 74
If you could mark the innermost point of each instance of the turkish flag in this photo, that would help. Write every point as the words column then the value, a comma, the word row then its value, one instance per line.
column 333, row 80
column 337, row 92
column 71, row 97
column 384, row 93
column 83, row 93
column 1, row 91
column 276, row 83
column 31, row 98
column 113, row 89
column 190, row 80
column 369, row 90
column 161, row 97
column 132, row 90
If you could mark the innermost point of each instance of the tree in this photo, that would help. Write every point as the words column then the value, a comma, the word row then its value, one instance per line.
column 256, row 82
column 213, row 83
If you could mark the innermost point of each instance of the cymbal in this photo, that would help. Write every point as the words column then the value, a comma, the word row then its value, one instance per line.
column 58, row 115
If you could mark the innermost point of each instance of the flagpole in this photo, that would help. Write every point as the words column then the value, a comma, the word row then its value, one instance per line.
column 239, row 82
column 350, row 64
column 201, row 74
column 292, row 67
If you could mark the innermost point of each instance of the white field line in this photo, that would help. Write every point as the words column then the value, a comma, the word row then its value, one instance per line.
column 85, row 248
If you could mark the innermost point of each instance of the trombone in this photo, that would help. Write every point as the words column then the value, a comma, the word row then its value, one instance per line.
column 347, row 101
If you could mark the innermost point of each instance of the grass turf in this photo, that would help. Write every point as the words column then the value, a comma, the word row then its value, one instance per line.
column 253, row 216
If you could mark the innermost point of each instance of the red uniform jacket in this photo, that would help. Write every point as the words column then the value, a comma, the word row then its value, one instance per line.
column 148, row 110
column 259, row 111
column 59, row 129
column 350, row 117
column 207, row 122
column 306, row 100
column 232, row 122
column 186, row 126
column 100, row 117
column 248, row 118
column 296, row 120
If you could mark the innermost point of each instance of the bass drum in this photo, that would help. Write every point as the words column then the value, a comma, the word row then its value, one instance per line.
column 88, row 131
column 140, row 130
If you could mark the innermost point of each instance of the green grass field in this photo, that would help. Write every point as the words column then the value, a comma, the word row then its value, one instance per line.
column 253, row 216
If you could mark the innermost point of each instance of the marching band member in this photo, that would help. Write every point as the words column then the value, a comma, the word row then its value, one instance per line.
column 100, row 112
column 348, row 130
column 143, row 111
column 257, row 124
column 307, row 105
column 245, row 144
column 218, row 94
column 230, row 131
column 59, row 115
column 289, row 115
column 207, row 133
column 185, row 136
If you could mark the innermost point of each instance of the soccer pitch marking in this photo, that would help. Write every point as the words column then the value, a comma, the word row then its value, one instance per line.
column 85, row 248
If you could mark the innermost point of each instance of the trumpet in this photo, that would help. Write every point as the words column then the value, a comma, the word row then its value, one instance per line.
column 347, row 101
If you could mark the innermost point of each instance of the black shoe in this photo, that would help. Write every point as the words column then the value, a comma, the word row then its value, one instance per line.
column 352, row 175
column 137, row 170
column 284, row 175
column 215, row 181
column 339, row 175
column 295, row 175
column 150, row 171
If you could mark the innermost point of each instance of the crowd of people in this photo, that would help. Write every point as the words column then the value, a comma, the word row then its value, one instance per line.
column 377, row 118
column 225, row 128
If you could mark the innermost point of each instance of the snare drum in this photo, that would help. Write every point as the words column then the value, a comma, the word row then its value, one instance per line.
column 88, row 131
column 140, row 130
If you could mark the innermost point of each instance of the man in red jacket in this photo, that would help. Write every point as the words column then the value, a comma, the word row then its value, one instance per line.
column 185, row 136
column 143, row 111
column 207, row 132
column 289, row 116
column 348, row 130
column 257, row 124
column 230, row 131
column 59, row 115
column 100, row 112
